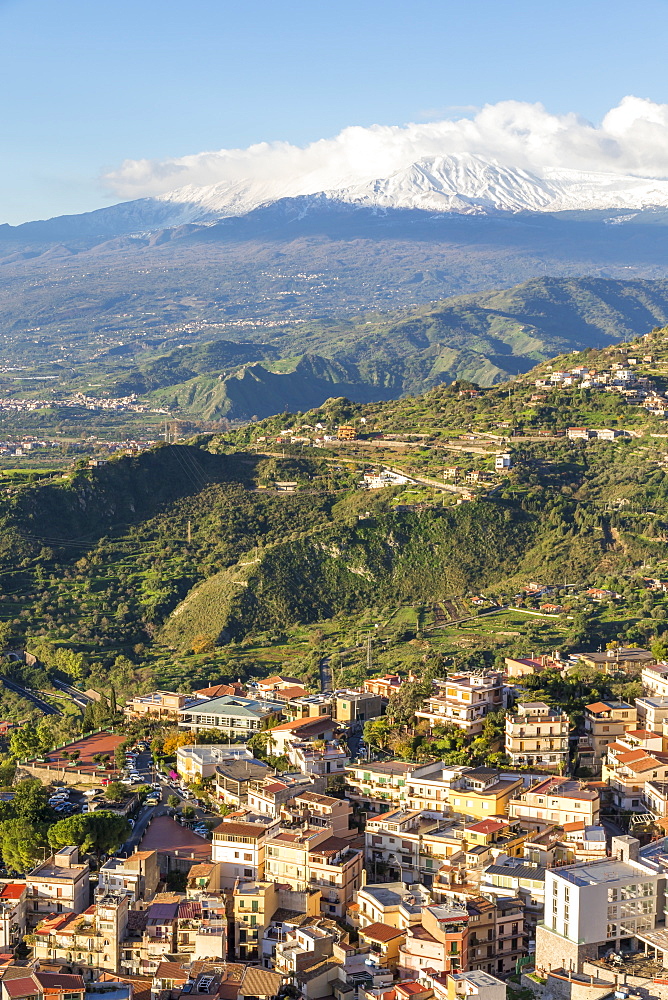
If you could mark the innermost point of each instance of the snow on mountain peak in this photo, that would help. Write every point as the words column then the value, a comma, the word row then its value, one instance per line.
column 461, row 183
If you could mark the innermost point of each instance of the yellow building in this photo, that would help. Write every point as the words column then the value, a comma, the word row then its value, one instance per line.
column 346, row 432
column 253, row 905
column 478, row 792
column 384, row 943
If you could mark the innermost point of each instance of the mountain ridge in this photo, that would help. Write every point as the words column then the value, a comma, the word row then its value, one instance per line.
column 462, row 183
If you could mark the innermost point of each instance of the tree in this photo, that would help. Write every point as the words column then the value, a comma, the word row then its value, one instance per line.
column 173, row 801
column 95, row 833
column 30, row 801
column 24, row 743
column 22, row 844
column 173, row 741
column 115, row 791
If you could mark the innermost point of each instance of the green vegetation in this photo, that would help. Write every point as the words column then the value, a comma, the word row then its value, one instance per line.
column 183, row 566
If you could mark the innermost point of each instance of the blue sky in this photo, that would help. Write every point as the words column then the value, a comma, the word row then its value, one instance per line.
column 88, row 84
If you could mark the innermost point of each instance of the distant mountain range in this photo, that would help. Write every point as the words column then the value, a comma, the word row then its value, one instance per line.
column 328, row 285
column 461, row 184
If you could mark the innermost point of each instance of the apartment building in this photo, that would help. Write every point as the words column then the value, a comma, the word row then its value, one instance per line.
column 310, row 706
column 276, row 682
column 161, row 705
column 464, row 700
column 537, row 736
column 357, row 706
column 652, row 713
column 521, row 877
column 253, row 904
column 478, row 792
column 236, row 717
column 654, row 680
column 385, row 686
column 487, row 839
column 440, row 941
column 269, row 795
column 239, row 849
column 406, row 846
column 201, row 933
column 233, row 778
column 58, row 885
column 137, row 877
column 195, row 763
column 313, row 858
column 616, row 660
column 595, row 908
column 626, row 769
column 305, row 730
column 320, row 759
column 496, row 934
column 384, row 943
column 556, row 801
column 85, row 942
column 604, row 722
column 13, row 914
column 396, row 904
column 320, row 812
column 376, row 785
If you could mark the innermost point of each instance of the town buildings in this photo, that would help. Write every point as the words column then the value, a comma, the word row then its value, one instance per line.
column 236, row 717
column 59, row 885
column 464, row 700
column 537, row 736
column 604, row 722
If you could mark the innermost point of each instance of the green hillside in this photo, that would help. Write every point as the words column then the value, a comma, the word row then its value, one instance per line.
column 185, row 564
column 486, row 338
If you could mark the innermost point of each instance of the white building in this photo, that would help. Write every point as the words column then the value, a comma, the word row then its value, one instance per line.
column 537, row 735
column 59, row 885
column 654, row 679
column 478, row 984
column 597, row 907
column 503, row 462
column 198, row 762
column 239, row 849
column 236, row 717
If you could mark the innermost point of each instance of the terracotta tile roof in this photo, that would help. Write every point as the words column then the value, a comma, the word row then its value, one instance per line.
column 141, row 985
column 645, row 765
column 259, row 982
column 58, row 981
column 410, row 989
column 171, row 970
column 488, row 826
column 233, row 829
column 381, row 932
column 287, row 694
column 24, row 986
column 571, row 827
column 321, row 723
column 13, row 890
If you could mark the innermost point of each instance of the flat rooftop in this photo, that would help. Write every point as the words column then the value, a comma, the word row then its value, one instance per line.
column 600, row 872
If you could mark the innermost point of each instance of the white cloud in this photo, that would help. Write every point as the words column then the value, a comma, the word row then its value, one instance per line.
column 632, row 138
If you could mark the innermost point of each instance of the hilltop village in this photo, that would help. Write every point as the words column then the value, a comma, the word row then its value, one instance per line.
column 300, row 854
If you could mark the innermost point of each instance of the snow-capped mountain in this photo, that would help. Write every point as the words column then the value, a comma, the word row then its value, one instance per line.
column 458, row 183
column 461, row 183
